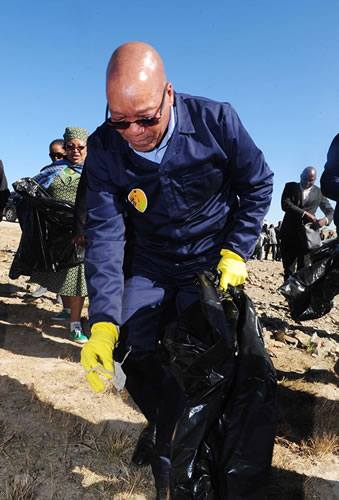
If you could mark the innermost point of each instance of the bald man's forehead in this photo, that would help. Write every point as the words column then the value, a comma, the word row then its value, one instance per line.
column 133, row 101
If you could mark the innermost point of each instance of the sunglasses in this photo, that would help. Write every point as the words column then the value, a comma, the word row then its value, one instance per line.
column 59, row 156
column 73, row 148
column 143, row 122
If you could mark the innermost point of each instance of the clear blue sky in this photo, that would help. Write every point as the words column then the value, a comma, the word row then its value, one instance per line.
column 276, row 62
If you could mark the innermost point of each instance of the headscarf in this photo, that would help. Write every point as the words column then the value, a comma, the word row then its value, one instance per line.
column 75, row 133
column 47, row 176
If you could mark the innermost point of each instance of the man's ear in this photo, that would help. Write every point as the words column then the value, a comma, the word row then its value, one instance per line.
column 170, row 92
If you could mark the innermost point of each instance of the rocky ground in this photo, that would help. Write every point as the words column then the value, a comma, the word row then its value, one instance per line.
column 59, row 440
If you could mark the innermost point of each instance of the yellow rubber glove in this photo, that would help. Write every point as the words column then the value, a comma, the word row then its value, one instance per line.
column 97, row 354
column 233, row 269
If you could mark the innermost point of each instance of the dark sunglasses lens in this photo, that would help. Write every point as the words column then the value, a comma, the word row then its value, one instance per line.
column 76, row 148
column 147, row 122
column 118, row 125
column 141, row 123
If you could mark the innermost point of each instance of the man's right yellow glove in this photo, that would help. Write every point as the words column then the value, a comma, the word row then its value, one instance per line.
column 97, row 354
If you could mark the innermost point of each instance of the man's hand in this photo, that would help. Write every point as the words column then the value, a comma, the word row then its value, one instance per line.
column 97, row 354
column 233, row 269
column 321, row 223
column 310, row 217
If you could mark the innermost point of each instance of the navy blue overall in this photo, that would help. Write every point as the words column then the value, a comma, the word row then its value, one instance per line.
column 211, row 191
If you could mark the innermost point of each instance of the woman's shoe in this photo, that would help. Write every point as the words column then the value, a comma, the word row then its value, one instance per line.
column 39, row 292
column 62, row 316
column 78, row 335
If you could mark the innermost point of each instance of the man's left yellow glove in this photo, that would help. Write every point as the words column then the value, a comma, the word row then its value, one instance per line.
column 97, row 354
column 233, row 269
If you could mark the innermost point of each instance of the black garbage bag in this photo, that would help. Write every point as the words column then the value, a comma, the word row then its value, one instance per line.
column 310, row 291
column 46, row 242
column 223, row 443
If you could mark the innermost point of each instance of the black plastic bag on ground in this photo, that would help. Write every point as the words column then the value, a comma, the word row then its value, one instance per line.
column 310, row 291
column 223, row 443
column 46, row 242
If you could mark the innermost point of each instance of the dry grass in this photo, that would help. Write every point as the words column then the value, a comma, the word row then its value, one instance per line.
column 117, row 445
column 306, row 432
column 22, row 487
column 127, row 485
column 60, row 448
column 321, row 445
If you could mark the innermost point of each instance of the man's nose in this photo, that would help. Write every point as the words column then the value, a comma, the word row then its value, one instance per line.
column 135, row 129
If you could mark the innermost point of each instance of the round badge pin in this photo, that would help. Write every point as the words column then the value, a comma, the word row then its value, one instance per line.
column 138, row 199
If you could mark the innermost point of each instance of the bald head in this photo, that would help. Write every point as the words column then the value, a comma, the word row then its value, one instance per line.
column 139, row 95
column 134, row 67
column 308, row 177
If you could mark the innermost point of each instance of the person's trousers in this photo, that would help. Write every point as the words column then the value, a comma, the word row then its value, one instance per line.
column 149, row 305
column 273, row 246
column 293, row 256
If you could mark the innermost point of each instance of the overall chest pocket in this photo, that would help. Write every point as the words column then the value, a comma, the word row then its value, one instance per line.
column 201, row 185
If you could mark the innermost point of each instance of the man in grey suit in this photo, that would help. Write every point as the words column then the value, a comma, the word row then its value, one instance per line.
column 300, row 201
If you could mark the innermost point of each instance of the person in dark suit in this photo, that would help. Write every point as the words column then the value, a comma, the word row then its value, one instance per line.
column 300, row 201
column 330, row 178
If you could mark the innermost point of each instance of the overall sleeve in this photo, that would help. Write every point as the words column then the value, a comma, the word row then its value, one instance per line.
column 329, row 181
column 4, row 191
column 326, row 208
column 105, row 240
column 252, row 181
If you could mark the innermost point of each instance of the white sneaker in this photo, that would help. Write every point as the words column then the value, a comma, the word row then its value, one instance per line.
column 39, row 291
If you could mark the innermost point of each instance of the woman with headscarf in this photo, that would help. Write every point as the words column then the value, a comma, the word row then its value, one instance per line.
column 61, row 180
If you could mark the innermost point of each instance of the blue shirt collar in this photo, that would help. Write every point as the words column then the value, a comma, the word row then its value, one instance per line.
column 157, row 154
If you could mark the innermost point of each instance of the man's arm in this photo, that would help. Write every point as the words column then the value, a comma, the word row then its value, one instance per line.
column 327, row 210
column 329, row 181
column 288, row 202
column 251, row 180
column 105, row 237
column 4, row 191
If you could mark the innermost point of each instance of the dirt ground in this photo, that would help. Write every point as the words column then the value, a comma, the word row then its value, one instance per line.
column 60, row 440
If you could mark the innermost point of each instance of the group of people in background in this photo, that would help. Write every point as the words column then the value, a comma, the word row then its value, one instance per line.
column 268, row 241
column 60, row 180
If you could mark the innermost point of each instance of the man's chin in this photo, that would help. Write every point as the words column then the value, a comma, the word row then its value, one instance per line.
column 143, row 148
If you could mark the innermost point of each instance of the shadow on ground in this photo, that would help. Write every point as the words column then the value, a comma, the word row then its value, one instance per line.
column 62, row 452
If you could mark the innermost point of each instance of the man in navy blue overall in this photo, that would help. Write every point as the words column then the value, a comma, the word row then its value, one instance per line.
column 174, row 182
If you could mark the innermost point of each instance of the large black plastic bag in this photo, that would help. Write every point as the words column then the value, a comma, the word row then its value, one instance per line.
column 222, row 446
column 46, row 242
column 310, row 291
